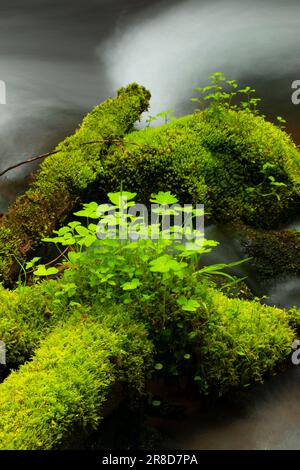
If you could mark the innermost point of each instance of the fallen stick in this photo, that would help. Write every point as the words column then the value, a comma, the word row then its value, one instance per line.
column 12, row 167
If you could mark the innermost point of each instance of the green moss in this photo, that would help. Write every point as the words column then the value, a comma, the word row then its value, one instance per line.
column 229, row 343
column 164, row 158
column 26, row 316
column 63, row 389
column 62, row 177
column 241, row 342
column 294, row 318
column 273, row 253
column 213, row 158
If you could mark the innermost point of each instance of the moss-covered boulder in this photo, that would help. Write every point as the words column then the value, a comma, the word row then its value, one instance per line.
column 274, row 253
column 63, row 177
column 27, row 315
column 241, row 342
column 63, row 390
column 236, row 163
column 80, row 349
column 243, row 339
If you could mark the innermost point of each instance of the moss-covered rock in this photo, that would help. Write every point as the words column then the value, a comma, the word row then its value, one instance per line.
column 224, row 344
column 240, row 166
column 241, row 342
column 274, row 253
column 64, row 176
column 243, row 169
column 27, row 314
column 64, row 388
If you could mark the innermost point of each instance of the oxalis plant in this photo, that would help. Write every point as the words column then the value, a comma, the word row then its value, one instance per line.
column 130, row 254
column 222, row 93
column 268, row 180
column 226, row 93
column 166, row 116
column 111, row 254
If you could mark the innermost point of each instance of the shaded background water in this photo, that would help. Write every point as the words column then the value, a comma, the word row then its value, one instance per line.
column 59, row 59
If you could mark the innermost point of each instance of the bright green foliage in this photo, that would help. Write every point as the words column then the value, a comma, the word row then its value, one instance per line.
column 131, row 256
column 43, row 271
column 164, row 286
column 63, row 177
column 165, row 115
column 227, row 94
column 63, row 389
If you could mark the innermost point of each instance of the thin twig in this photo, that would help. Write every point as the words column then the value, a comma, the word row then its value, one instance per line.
column 28, row 161
column 58, row 257
column 53, row 260
column 39, row 157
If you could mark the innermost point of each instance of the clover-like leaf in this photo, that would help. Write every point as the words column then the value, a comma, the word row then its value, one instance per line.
column 42, row 270
column 189, row 305
column 131, row 285
column 118, row 198
column 31, row 263
column 163, row 198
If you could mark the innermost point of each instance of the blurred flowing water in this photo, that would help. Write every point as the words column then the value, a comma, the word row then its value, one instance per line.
column 51, row 62
column 59, row 59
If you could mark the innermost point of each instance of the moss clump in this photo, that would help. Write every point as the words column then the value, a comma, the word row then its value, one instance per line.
column 65, row 386
column 224, row 344
column 63, row 176
column 170, row 157
column 26, row 315
column 223, row 158
column 241, row 342
column 273, row 253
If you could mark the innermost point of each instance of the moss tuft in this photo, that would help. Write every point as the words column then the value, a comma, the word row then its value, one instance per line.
column 64, row 388
column 237, row 164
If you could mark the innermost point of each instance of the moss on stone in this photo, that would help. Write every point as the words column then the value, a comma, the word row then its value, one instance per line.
column 222, row 160
column 274, row 253
column 27, row 314
column 65, row 386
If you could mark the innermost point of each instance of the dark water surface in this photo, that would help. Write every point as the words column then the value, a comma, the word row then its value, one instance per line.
column 265, row 418
column 59, row 59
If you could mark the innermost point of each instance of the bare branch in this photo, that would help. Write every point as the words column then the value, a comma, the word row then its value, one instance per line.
column 44, row 155
column 28, row 161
